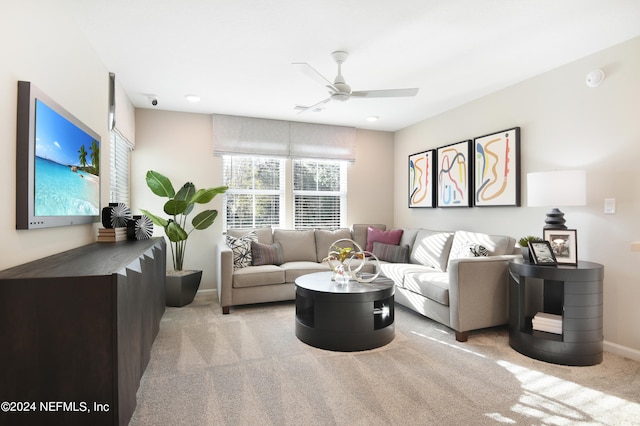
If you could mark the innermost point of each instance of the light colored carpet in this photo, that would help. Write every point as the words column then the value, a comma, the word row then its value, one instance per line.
column 248, row 368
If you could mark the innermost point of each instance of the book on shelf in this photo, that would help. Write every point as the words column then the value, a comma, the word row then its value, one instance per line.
column 110, row 235
column 112, row 231
column 551, row 323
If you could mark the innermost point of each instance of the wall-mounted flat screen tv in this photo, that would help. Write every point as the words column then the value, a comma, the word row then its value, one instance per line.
column 57, row 164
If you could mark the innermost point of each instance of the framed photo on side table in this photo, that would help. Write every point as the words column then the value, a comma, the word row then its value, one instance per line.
column 542, row 253
column 564, row 243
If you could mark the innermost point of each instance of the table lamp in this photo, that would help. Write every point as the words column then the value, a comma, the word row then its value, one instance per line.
column 558, row 188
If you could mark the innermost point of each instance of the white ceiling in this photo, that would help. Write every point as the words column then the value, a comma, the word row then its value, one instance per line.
column 237, row 54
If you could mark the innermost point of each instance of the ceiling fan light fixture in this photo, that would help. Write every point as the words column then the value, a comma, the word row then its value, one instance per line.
column 340, row 96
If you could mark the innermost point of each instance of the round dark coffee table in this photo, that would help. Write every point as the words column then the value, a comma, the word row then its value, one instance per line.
column 344, row 317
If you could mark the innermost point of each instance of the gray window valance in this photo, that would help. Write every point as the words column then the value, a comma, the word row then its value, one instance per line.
column 233, row 135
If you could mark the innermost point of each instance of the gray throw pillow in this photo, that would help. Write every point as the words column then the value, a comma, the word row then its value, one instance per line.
column 391, row 253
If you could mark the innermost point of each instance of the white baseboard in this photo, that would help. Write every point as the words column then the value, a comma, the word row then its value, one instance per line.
column 623, row 351
column 207, row 291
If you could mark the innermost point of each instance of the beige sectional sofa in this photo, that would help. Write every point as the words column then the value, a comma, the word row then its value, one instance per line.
column 459, row 279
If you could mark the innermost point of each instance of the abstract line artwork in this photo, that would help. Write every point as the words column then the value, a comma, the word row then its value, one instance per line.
column 454, row 175
column 421, row 181
column 497, row 169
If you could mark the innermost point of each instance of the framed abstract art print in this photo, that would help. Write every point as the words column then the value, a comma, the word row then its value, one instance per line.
column 497, row 169
column 454, row 175
column 422, row 186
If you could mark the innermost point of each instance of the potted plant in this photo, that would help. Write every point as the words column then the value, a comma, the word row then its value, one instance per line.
column 524, row 246
column 181, row 285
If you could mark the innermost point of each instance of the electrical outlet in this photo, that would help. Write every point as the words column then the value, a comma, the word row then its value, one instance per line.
column 609, row 206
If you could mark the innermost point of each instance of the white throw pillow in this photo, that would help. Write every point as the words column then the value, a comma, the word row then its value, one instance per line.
column 241, row 247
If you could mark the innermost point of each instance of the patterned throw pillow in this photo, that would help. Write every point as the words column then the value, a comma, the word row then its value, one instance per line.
column 241, row 247
column 391, row 253
column 472, row 250
column 266, row 254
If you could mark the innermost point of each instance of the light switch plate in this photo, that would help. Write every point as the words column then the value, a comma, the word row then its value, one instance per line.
column 609, row 206
column 635, row 246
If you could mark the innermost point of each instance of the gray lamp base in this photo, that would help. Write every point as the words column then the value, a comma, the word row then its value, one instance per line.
column 555, row 220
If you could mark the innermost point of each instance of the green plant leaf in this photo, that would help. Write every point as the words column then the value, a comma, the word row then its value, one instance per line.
column 175, row 207
column 160, row 184
column 204, row 219
column 205, row 195
column 175, row 232
column 155, row 219
column 186, row 192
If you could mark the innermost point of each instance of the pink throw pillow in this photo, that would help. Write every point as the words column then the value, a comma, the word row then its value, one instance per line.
column 375, row 235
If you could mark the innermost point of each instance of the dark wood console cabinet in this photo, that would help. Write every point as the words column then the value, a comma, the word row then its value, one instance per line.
column 76, row 330
column 572, row 292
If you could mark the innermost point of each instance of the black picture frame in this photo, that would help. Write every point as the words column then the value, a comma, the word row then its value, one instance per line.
column 564, row 243
column 542, row 253
column 497, row 169
column 422, row 182
column 455, row 172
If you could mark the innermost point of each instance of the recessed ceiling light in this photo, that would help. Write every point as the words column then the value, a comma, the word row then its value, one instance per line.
column 192, row 98
column 372, row 118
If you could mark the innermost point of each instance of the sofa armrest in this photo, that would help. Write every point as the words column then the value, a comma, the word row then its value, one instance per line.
column 478, row 292
column 224, row 258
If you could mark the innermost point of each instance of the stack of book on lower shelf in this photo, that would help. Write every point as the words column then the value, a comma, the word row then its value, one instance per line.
column 551, row 323
column 110, row 235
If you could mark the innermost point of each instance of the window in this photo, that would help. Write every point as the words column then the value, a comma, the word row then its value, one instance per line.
column 319, row 194
column 255, row 196
column 120, row 151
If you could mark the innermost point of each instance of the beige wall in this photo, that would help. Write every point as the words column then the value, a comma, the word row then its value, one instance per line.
column 180, row 146
column 40, row 44
column 564, row 125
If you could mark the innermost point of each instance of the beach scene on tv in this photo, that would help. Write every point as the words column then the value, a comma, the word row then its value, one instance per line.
column 67, row 167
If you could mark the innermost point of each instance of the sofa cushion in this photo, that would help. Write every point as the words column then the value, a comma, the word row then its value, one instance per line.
column 266, row 254
column 241, row 247
column 252, row 276
column 398, row 271
column 391, row 253
column 408, row 237
column 359, row 233
column 297, row 245
column 431, row 248
column 387, row 237
column 293, row 270
column 324, row 239
column 264, row 233
column 432, row 285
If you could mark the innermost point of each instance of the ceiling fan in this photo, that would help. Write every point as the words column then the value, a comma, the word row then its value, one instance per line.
column 339, row 90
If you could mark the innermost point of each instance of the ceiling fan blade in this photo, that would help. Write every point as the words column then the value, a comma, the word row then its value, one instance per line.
column 312, row 107
column 389, row 93
column 314, row 75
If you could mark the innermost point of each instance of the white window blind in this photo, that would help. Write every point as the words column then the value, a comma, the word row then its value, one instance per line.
column 120, row 151
column 255, row 197
column 319, row 194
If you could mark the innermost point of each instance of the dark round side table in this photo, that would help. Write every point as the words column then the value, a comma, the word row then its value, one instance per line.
column 574, row 294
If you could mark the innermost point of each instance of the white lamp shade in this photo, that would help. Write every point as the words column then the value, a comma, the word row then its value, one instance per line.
column 557, row 188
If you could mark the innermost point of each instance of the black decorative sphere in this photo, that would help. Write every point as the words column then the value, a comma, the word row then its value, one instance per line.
column 139, row 228
column 116, row 215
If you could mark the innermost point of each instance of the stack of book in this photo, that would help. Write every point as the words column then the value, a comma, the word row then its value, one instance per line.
column 551, row 323
column 110, row 235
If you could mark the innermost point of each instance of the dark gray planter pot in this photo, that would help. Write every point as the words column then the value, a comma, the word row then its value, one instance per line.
column 526, row 254
column 181, row 289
